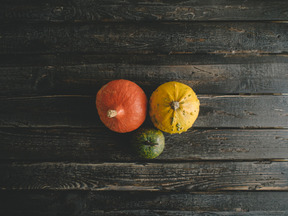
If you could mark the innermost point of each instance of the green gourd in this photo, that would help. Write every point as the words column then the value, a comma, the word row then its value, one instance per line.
column 148, row 143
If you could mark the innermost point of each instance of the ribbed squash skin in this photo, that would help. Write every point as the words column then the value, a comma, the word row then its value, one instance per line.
column 162, row 113
column 127, row 99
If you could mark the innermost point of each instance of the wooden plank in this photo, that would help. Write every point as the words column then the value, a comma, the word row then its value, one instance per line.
column 102, row 145
column 148, row 213
column 116, row 10
column 76, row 59
column 72, row 203
column 145, row 38
column 197, row 176
column 204, row 79
column 186, row 213
column 80, row 111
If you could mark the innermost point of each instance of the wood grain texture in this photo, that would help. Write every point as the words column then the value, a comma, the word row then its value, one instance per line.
column 197, row 176
column 267, row 111
column 145, row 38
column 148, row 213
column 78, row 59
column 187, row 213
column 57, row 158
column 102, row 145
column 84, row 203
column 87, row 79
column 134, row 10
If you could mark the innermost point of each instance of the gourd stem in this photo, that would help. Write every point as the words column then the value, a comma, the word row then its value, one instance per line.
column 175, row 105
column 149, row 143
column 111, row 113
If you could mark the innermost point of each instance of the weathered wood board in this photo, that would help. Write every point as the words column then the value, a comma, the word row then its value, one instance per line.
column 88, row 79
column 197, row 176
column 145, row 10
column 268, row 111
column 145, row 38
column 89, row 59
column 102, row 145
column 92, row 203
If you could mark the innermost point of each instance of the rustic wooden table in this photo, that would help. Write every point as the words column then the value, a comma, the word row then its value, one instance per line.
column 57, row 158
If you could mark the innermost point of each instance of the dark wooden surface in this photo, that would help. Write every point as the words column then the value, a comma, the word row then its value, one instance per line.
column 145, row 10
column 57, row 158
column 101, row 145
column 145, row 38
column 206, row 74
column 257, row 111
column 135, row 203
column 200, row 176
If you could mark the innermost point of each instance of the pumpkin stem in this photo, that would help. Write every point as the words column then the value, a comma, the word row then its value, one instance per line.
column 111, row 113
column 175, row 105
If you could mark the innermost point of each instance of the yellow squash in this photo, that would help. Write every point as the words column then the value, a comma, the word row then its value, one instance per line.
column 174, row 107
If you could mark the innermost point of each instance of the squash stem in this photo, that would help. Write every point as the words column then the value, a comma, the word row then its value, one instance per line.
column 149, row 143
column 111, row 113
column 175, row 105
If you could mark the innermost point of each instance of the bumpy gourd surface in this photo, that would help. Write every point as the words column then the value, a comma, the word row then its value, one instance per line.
column 148, row 143
column 167, row 118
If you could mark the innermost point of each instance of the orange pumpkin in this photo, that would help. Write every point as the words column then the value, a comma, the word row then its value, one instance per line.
column 121, row 105
column 174, row 107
